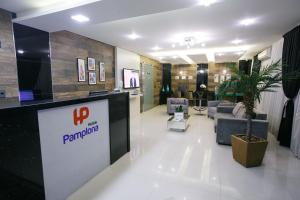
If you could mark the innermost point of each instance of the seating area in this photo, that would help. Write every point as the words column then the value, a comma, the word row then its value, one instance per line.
column 232, row 120
column 229, row 118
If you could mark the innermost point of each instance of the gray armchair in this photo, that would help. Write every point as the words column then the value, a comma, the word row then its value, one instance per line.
column 227, row 123
column 173, row 103
column 212, row 107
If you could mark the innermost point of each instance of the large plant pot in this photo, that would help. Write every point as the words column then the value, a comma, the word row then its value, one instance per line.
column 248, row 154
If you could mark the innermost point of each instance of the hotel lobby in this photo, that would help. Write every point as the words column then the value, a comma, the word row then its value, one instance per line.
column 149, row 100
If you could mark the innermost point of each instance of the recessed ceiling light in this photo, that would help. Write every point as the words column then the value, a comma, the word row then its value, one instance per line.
column 174, row 57
column 239, row 53
column 247, row 21
column 156, row 48
column 220, row 54
column 236, row 41
column 207, row 3
column 203, row 45
column 173, row 45
column 80, row 18
column 160, row 58
column 224, row 71
column 20, row 51
column 133, row 36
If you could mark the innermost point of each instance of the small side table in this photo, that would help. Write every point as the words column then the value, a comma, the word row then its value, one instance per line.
column 180, row 125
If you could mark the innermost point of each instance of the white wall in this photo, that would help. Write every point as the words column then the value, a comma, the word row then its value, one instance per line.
column 272, row 103
column 130, row 60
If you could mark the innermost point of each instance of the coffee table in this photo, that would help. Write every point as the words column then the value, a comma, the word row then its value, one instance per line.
column 180, row 125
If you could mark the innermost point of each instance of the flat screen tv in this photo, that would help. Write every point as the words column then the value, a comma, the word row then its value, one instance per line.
column 131, row 78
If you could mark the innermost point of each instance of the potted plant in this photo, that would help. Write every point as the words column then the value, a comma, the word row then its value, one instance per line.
column 247, row 149
column 178, row 114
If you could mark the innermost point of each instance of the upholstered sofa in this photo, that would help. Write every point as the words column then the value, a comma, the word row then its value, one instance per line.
column 173, row 103
column 212, row 107
column 232, row 120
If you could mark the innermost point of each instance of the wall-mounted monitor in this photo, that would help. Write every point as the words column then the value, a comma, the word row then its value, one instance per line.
column 131, row 78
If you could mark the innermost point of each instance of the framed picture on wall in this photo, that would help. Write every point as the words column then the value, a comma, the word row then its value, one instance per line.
column 216, row 78
column 81, row 69
column 91, row 64
column 92, row 78
column 222, row 78
column 102, row 71
column 228, row 77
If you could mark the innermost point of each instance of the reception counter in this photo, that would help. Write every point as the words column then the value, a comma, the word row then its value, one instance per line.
column 49, row 149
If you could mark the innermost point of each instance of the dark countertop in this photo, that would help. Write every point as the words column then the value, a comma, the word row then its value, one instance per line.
column 14, row 103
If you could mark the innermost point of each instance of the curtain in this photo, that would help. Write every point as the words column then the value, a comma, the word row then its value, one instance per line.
column 295, row 140
column 272, row 102
column 291, row 63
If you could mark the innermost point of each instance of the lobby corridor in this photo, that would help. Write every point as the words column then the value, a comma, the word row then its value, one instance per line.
column 168, row 165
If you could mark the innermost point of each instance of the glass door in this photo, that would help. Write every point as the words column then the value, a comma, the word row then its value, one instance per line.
column 148, row 87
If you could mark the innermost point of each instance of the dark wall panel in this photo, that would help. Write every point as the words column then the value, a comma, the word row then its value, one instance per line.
column 119, row 126
column 245, row 65
column 34, row 67
column 202, row 75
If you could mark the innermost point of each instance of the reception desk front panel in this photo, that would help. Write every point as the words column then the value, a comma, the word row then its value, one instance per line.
column 77, row 149
column 49, row 150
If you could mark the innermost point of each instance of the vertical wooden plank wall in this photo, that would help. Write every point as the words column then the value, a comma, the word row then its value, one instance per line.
column 66, row 47
column 187, row 70
column 8, row 63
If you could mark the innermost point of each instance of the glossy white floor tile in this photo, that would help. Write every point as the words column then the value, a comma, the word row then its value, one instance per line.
column 168, row 165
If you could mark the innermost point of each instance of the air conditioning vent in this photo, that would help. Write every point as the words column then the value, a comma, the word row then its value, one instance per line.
column 266, row 54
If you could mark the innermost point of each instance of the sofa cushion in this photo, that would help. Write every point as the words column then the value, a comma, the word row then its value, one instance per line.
column 178, row 101
column 241, row 113
column 236, row 108
column 173, row 106
column 226, row 104
column 222, row 115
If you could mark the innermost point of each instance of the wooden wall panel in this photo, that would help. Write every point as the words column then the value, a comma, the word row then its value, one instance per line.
column 157, row 76
column 186, row 70
column 66, row 47
column 191, row 70
column 216, row 68
column 8, row 63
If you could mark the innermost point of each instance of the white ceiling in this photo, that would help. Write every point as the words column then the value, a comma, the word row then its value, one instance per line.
column 159, row 23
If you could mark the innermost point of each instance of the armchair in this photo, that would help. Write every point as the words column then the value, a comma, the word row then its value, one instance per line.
column 212, row 107
column 173, row 103
column 230, row 120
